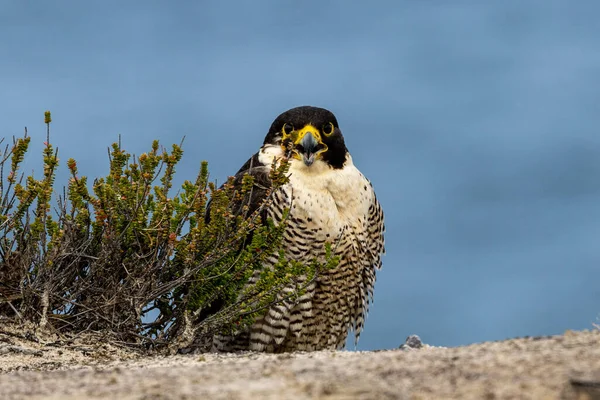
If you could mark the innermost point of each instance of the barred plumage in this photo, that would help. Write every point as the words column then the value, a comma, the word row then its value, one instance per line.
column 329, row 201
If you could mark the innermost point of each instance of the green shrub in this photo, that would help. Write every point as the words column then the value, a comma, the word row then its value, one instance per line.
column 127, row 256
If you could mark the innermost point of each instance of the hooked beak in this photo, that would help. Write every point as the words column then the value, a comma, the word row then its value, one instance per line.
column 309, row 145
column 308, row 148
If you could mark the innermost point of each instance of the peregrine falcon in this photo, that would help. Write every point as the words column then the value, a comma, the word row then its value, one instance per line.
column 329, row 201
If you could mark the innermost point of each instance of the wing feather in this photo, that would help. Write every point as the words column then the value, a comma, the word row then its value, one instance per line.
column 372, row 249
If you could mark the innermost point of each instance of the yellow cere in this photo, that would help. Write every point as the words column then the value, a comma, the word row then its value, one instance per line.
column 297, row 135
column 304, row 131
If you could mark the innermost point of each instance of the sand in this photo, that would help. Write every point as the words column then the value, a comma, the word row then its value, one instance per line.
column 47, row 367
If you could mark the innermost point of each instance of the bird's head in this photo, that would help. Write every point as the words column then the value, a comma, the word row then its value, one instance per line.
column 309, row 134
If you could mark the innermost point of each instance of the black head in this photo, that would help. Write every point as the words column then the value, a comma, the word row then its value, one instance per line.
column 308, row 134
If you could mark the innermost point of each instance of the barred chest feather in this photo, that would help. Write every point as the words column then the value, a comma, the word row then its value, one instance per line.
column 328, row 201
column 326, row 205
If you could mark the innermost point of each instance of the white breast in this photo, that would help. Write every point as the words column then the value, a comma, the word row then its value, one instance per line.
column 324, row 197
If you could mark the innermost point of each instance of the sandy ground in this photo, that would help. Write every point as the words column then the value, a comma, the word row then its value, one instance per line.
column 558, row 367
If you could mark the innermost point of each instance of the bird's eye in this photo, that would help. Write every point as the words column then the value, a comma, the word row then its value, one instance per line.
column 287, row 129
column 328, row 128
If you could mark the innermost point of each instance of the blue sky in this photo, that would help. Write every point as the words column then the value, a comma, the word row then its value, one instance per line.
column 477, row 123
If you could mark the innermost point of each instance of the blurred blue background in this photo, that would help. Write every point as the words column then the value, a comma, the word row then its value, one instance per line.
column 477, row 122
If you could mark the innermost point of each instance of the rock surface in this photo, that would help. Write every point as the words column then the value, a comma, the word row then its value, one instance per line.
column 557, row 367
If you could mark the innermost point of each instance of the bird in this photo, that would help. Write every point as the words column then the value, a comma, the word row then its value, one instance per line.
column 327, row 200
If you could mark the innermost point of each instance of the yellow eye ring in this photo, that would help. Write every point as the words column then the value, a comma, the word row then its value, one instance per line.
column 328, row 128
column 287, row 129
